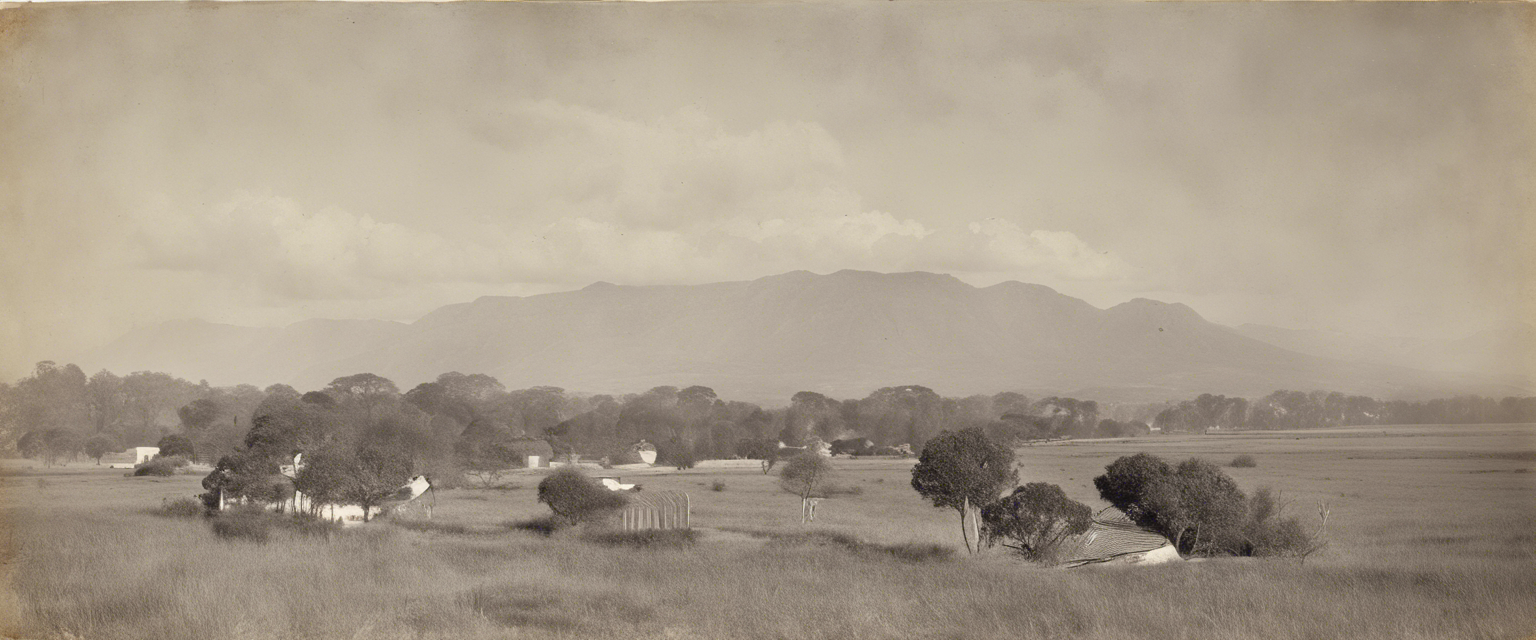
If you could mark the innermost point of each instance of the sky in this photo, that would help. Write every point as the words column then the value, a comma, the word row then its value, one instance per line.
column 1359, row 167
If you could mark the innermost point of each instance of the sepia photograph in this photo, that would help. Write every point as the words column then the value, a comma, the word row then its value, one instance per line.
column 768, row 320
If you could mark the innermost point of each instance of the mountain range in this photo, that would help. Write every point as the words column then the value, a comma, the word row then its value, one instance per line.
column 843, row 334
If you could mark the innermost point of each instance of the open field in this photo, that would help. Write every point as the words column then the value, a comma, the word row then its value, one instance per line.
column 1433, row 535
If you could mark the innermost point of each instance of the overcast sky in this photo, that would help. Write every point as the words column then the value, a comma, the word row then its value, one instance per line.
column 1362, row 168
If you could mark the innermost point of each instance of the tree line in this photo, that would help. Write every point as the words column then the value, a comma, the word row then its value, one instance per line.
column 469, row 422
column 1305, row 410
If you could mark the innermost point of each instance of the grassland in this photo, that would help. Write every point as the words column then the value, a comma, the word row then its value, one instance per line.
column 1433, row 535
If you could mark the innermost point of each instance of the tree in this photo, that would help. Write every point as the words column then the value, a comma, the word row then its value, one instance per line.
column 245, row 475
column 1034, row 519
column 366, row 389
column 759, row 449
column 806, row 475
column 963, row 470
column 176, row 445
column 199, row 414
column 476, row 387
column 1125, row 482
column 366, row 477
column 104, row 392
column 675, row 452
column 318, row 398
column 31, row 444
column 49, row 445
column 576, row 499
column 149, row 396
column 100, row 445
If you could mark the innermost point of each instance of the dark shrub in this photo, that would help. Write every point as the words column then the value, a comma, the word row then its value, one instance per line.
column 576, row 499
column 646, row 539
column 817, row 539
column 246, row 524
column 1243, row 461
column 160, row 466
column 545, row 526
column 853, row 447
column 180, row 508
column 176, row 445
column 718, row 485
column 429, row 526
column 907, row 551
column 306, row 525
column 255, row 524
column 1201, row 509
column 920, row 551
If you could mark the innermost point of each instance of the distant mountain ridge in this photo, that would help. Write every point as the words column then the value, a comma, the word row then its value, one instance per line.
column 1508, row 349
column 843, row 334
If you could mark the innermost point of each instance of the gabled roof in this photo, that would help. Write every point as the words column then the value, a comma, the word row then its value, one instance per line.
column 649, row 499
column 1112, row 535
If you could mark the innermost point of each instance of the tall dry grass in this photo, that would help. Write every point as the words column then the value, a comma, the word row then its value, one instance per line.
column 127, row 575
column 1433, row 538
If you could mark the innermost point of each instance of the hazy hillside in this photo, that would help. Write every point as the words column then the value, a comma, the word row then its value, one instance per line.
column 844, row 334
column 1505, row 350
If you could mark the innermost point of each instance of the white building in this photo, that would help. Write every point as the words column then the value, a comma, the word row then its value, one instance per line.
column 346, row 514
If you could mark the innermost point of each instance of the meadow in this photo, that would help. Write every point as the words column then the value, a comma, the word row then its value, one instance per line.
column 1432, row 535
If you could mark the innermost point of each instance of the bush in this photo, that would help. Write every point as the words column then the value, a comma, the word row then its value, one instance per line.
column 544, row 526
column 255, row 524
column 176, row 445
column 920, row 551
column 1243, row 461
column 180, row 508
column 1270, row 533
column 645, row 539
column 718, row 485
column 576, row 499
column 429, row 526
column 160, row 466
column 1201, row 509
column 249, row 525
column 906, row 551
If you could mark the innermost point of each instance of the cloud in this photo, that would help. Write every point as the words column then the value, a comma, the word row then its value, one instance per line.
column 675, row 199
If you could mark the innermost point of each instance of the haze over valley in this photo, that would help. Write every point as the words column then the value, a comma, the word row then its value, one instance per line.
column 843, row 334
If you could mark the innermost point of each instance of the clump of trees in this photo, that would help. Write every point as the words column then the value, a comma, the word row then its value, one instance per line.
column 1195, row 504
column 1202, row 510
column 1312, row 409
column 365, row 477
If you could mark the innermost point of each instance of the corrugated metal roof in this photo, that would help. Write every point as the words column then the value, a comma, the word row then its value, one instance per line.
column 1112, row 535
column 657, row 499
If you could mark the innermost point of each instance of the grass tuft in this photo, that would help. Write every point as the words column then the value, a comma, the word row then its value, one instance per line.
column 180, row 508
column 646, row 539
